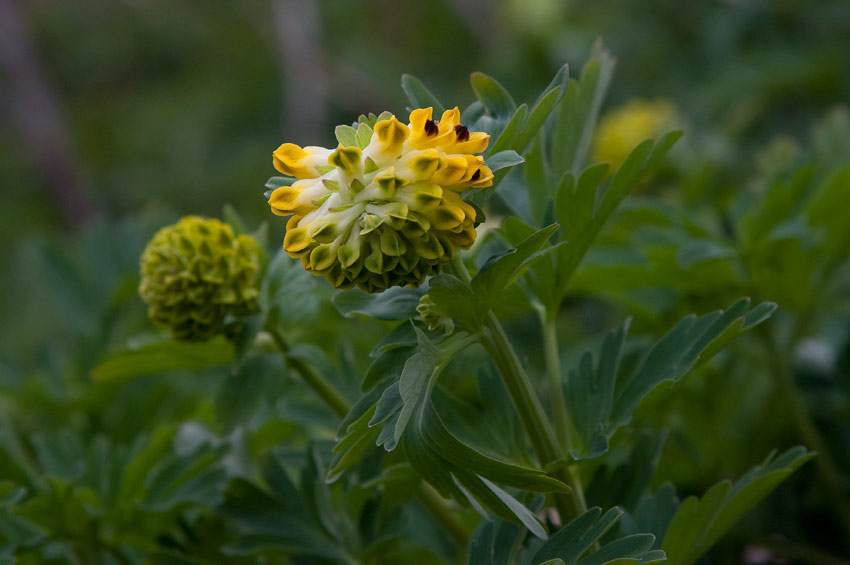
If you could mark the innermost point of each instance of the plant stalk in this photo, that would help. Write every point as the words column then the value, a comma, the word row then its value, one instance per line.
column 553, row 374
column 323, row 388
column 336, row 401
column 531, row 413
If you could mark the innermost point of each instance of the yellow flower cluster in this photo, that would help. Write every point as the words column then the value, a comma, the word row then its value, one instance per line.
column 384, row 208
column 625, row 127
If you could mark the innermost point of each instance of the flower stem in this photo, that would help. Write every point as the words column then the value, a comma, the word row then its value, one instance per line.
column 531, row 413
column 553, row 373
column 436, row 507
column 336, row 401
column 325, row 390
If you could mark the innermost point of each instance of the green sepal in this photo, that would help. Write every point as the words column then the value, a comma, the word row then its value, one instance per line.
column 346, row 135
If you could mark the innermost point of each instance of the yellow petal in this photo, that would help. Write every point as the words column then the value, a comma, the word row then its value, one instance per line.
column 322, row 257
column 391, row 135
column 282, row 200
column 447, row 217
column 296, row 240
column 452, row 170
column 450, row 119
column 301, row 163
column 425, row 164
column 347, row 159
column 287, row 158
column 469, row 142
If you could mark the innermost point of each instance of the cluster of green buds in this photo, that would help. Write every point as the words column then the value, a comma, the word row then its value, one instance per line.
column 384, row 208
column 199, row 278
column 433, row 319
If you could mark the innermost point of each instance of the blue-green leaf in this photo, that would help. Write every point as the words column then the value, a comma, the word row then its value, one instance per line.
column 497, row 101
column 277, row 182
column 502, row 159
column 601, row 400
column 699, row 523
column 396, row 303
column 577, row 114
column 571, row 541
column 164, row 356
column 502, row 270
column 419, row 95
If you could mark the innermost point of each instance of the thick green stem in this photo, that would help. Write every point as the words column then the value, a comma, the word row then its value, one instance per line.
column 521, row 390
column 553, row 374
column 336, row 401
column 531, row 413
column 317, row 382
column 563, row 424
column 436, row 507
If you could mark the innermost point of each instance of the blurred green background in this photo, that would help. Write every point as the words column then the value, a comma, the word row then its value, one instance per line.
column 122, row 109
column 120, row 116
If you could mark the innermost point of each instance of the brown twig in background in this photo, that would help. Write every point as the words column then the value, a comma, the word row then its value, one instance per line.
column 35, row 112
column 302, row 60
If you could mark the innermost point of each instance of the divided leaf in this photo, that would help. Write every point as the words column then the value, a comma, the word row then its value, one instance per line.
column 469, row 304
column 601, row 400
column 699, row 523
column 573, row 540
column 577, row 114
column 583, row 206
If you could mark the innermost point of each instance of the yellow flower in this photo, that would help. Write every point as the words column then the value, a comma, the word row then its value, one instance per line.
column 622, row 129
column 384, row 208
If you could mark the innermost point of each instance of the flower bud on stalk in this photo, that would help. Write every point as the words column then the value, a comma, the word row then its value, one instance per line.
column 434, row 320
column 199, row 278
column 386, row 210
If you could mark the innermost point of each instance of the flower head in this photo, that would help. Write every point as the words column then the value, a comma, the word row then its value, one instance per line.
column 384, row 208
column 625, row 127
column 196, row 274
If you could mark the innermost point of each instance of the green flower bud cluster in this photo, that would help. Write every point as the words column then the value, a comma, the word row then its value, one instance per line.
column 434, row 320
column 199, row 278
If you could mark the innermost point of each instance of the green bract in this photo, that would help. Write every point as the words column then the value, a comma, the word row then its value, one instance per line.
column 198, row 277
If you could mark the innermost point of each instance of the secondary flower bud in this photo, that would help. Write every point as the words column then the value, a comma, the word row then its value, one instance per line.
column 197, row 276
column 433, row 319
column 625, row 127
column 384, row 208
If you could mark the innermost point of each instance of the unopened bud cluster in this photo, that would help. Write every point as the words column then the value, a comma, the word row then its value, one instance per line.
column 384, row 208
column 197, row 276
